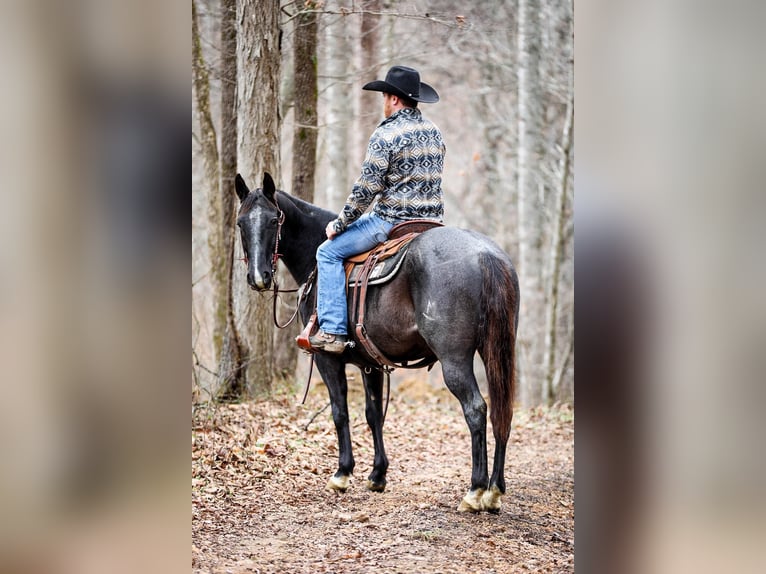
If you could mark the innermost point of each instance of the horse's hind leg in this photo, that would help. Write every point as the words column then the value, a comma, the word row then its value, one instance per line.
column 373, row 386
column 490, row 500
column 459, row 378
column 333, row 373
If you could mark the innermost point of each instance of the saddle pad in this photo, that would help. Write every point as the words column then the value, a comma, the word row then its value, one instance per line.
column 383, row 271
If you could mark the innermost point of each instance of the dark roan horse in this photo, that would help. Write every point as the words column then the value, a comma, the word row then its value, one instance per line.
column 456, row 292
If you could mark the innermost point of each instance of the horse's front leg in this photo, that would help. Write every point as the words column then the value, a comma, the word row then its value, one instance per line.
column 373, row 387
column 333, row 371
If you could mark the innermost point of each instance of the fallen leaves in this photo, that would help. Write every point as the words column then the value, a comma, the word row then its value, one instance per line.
column 259, row 470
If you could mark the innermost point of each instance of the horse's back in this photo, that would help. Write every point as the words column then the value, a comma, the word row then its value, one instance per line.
column 454, row 252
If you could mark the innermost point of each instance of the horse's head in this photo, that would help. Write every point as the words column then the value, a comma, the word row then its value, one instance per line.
column 258, row 222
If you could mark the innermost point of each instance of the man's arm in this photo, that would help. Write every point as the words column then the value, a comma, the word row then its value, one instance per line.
column 370, row 183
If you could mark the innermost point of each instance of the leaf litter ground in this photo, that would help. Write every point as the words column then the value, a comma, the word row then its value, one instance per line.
column 258, row 501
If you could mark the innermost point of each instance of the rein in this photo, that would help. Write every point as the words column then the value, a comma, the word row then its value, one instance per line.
column 275, row 257
column 302, row 291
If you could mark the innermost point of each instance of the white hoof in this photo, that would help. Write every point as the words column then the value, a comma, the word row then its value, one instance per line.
column 338, row 483
column 490, row 501
column 472, row 501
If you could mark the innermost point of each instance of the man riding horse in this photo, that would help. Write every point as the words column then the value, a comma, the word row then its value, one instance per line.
column 403, row 170
column 455, row 293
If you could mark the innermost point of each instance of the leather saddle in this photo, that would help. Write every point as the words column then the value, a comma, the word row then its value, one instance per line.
column 374, row 267
column 381, row 263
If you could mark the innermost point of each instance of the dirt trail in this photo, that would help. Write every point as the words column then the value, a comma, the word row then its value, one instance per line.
column 259, row 503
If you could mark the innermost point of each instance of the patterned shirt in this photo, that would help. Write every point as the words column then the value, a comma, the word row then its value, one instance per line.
column 403, row 169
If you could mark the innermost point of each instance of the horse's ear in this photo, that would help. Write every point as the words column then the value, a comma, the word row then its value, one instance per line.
column 241, row 188
column 268, row 187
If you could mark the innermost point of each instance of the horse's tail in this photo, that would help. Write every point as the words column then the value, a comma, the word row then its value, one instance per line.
column 497, row 338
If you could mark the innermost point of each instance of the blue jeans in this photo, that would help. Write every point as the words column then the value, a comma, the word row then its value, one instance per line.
column 362, row 235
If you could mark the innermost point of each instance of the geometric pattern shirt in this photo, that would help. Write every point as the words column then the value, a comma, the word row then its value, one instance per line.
column 402, row 172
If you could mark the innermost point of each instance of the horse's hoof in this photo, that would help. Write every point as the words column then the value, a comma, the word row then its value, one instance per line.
column 338, row 483
column 472, row 501
column 376, row 486
column 490, row 500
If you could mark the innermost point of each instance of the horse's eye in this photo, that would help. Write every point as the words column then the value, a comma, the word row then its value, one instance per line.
column 274, row 220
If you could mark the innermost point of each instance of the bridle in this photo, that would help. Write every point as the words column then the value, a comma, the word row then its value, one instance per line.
column 302, row 291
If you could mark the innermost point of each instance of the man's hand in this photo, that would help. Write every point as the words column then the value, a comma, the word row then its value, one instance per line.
column 330, row 230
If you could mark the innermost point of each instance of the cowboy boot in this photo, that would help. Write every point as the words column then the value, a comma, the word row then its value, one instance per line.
column 328, row 342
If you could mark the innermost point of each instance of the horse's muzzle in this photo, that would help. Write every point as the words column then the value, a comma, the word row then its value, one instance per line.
column 259, row 281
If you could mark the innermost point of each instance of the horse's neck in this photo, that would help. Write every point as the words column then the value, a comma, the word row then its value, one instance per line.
column 301, row 236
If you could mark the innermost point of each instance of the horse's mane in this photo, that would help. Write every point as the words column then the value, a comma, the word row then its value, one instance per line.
column 305, row 207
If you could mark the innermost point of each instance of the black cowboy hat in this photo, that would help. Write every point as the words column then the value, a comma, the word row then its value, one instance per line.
column 404, row 82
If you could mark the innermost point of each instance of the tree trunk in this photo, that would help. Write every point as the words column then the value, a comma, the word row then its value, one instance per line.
column 303, row 165
column 305, row 110
column 209, row 146
column 338, row 106
column 531, row 334
column 370, row 109
column 556, row 255
column 387, row 36
column 230, row 376
column 258, row 124
column 201, row 87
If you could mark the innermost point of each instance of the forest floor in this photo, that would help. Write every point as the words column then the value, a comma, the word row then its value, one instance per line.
column 259, row 502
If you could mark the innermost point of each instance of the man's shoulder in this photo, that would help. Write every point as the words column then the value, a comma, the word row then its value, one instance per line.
column 387, row 132
column 430, row 126
column 404, row 126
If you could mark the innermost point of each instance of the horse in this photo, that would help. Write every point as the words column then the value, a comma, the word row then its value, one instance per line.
column 456, row 293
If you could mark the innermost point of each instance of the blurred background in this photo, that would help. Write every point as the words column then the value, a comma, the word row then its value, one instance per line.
column 670, row 471
column 93, row 287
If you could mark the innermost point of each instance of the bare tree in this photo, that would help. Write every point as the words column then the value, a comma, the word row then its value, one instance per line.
column 305, row 108
column 338, row 106
column 530, row 204
column 368, row 103
column 556, row 35
column 258, row 133
column 304, row 150
column 201, row 88
column 555, row 258
column 218, row 274
column 231, row 380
